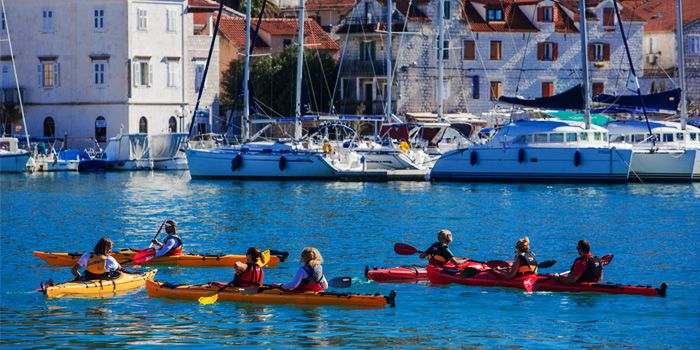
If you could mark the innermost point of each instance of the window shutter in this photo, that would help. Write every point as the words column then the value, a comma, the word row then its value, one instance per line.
column 150, row 74
column 475, row 87
column 372, row 48
column 540, row 14
column 591, row 52
column 555, row 13
column 56, row 74
column 555, row 51
column 540, row 51
column 606, row 52
column 39, row 75
column 137, row 74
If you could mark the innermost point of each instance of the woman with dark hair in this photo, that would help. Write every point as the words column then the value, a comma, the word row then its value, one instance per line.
column 249, row 274
column 98, row 264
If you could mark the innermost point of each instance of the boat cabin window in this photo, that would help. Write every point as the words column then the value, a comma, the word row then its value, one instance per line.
column 520, row 139
column 540, row 137
column 5, row 145
column 571, row 137
column 583, row 136
column 693, row 136
column 668, row 138
column 679, row 136
column 596, row 136
column 617, row 138
column 638, row 138
column 556, row 137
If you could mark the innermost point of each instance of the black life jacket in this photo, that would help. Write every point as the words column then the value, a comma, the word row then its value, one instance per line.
column 593, row 271
column 528, row 264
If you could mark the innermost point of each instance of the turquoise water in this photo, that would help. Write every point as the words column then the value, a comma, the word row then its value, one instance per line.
column 653, row 230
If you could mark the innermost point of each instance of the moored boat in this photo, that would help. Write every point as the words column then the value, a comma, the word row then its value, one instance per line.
column 12, row 159
column 266, row 295
column 98, row 288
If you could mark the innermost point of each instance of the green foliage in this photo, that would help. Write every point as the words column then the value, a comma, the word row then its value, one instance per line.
column 271, row 9
column 273, row 79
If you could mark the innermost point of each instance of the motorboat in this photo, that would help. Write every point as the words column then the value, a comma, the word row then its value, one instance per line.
column 48, row 159
column 12, row 158
column 146, row 152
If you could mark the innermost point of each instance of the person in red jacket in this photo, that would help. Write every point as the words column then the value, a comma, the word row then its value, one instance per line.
column 586, row 268
column 249, row 274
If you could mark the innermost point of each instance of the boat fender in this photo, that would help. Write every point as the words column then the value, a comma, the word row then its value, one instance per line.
column 577, row 158
column 521, row 156
column 404, row 146
column 473, row 158
column 283, row 163
column 327, row 148
column 236, row 162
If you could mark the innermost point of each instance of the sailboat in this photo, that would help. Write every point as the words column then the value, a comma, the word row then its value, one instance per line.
column 13, row 159
column 294, row 158
column 547, row 150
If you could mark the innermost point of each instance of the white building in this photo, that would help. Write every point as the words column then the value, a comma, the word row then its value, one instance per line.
column 101, row 67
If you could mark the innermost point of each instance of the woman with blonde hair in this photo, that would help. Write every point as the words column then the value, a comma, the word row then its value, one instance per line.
column 309, row 277
column 524, row 262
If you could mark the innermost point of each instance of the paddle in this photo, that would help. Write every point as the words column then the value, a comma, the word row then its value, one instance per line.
column 405, row 249
column 148, row 253
column 212, row 298
column 471, row 271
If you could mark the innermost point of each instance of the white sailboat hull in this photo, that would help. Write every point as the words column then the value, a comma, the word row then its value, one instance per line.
column 219, row 163
column 536, row 164
column 665, row 165
column 388, row 160
column 13, row 162
column 49, row 164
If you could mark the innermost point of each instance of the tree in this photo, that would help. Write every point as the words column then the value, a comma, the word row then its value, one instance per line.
column 271, row 9
column 273, row 80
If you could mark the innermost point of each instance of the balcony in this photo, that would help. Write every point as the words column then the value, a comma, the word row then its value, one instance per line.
column 363, row 68
column 9, row 96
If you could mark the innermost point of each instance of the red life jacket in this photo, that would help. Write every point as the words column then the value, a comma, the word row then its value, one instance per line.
column 178, row 248
column 251, row 277
column 311, row 283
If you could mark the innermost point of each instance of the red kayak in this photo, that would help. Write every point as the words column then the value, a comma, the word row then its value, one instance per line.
column 410, row 273
column 439, row 275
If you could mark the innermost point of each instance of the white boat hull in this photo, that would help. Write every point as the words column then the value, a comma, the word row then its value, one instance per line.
column 50, row 165
column 536, row 164
column 129, row 165
column 219, row 163
column 664, row 165
column 179, row 163
column 392, row 160
column 14, row 162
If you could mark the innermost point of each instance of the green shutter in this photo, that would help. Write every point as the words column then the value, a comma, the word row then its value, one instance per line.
column 372, row 51
column 447, row 9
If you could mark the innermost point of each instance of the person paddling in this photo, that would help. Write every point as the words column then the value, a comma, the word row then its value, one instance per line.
column 249, row 274
column 524, row 262
column 172, row 245
column 98, row 264
column 439, row 253
column 586, row 268
column 309, row 277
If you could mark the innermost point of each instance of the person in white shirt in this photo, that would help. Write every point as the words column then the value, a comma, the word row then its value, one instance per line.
column 98, row 264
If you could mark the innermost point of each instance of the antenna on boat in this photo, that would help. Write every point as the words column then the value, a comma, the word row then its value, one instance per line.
column 14, row 69
column 389, row 72
column 440, row 64
column 300, row 66
column 681, row 63
column 584, row 63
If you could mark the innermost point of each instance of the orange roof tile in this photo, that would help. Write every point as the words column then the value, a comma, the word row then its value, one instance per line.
column 330, row 4
column 234, row 30
column 661, row 14
column 514, row 19
column 203, row 3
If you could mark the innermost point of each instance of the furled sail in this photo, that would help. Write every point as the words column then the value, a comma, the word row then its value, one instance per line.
column 569, row 99
column 666, row 101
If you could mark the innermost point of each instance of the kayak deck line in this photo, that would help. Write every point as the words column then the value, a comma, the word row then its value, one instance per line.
column 97, row 287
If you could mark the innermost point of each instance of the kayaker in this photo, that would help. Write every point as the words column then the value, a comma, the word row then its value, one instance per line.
column 310, row 276
column 249, row 274
column 98, row 264
column 586, row 268
column 524, row 262
column 439, row 253
column 172, row 245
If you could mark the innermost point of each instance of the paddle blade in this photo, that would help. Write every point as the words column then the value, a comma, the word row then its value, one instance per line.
column 210, row 299
column 606, row 259
column 264, row 258
column 340, row 282
column 469, row 272
column 144, row 255
column 404, row 249
column 547, row 263
column 529, row 283
column 498, row 263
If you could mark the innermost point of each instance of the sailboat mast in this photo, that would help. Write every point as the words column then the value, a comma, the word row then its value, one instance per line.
column 441, row 52
column 246, row 75
column 300, row 66
column 681, row 63
column 389, row 72
column 584, row 63
column 14, row 70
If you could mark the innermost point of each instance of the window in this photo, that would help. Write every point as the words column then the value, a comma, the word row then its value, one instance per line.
column 599, row 52
column 171, row 24
column 143, row 73
column 99, row 19
column 493, row 14
column 547, row 89
column 447, row 11
column 495, row 50
column 99, row 68
column 47, row 21
column 667, row 137
column 496, row 90
column 540, row 138
column 583, row 136
column 172, row 72
column 571, row 137
column 547, row 51
column 143, row 125
column 48, row 74
column 469, row 50
column 141, row 19
column 556, row 137
column 172, row 124
column 445, row 50
column 286, row 42
column 368, row 50
column 694, row 44
column 679, row 136
column 475, row 87
column 598, row 88
column 198, row 75
column 49, row 127
column 609, row 17
column 596, row 136
column 545, row 14
column 100, row 129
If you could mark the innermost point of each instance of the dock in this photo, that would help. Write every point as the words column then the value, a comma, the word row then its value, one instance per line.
column 385, row 175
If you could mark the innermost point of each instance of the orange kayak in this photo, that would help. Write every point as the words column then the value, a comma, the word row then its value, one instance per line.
column 98, row 288
column 266, row 295
column 124, row 257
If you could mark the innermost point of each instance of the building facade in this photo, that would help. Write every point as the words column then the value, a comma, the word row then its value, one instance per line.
column 492, row 48
column 692, row 65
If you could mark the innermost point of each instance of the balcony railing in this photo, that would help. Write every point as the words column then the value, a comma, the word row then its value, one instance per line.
column 9, row 96
column 363, row 68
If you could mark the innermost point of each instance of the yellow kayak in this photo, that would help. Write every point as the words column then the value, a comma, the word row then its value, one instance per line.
column 98, row 288
column 266, row 295
column 124, row 257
